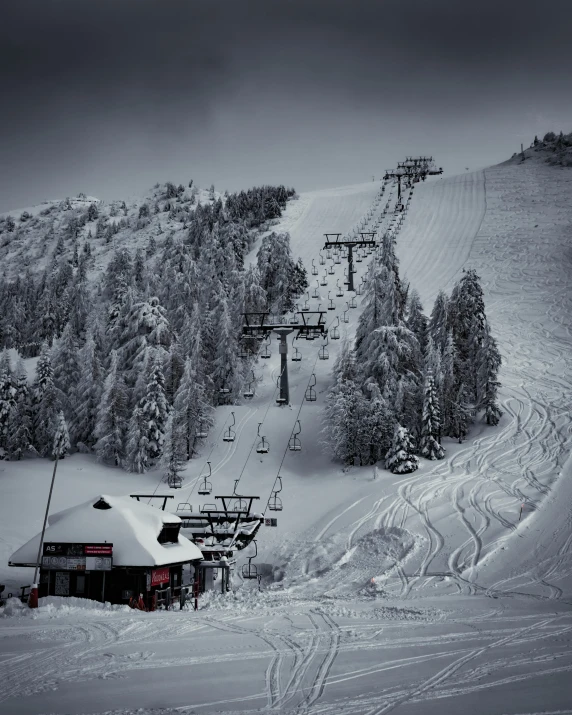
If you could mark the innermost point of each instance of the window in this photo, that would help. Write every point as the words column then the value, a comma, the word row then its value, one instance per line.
column 169, row 534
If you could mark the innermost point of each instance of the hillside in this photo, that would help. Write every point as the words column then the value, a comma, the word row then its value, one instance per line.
column 442, row 591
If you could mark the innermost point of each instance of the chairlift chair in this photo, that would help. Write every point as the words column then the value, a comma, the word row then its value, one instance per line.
column 310, row 394
column 265, row 354
column 346, row 318
column 316, row 291
column 242, row 351
column 275, row 503
column 359, row 289
column 324, row 281
column 230, row 434
column 314, row 268
column 306, row 306
column 339, row 292
column 353, row 302
column 335, row 332
column 294, row 444
column 201, row 433
column 359, row 259
column 249, row 570
column 249, row 392
column 206, row 487
column 262, row 447
column 331, row 269
column 322, row 259
column 323, row 353
column 337, row 258
column 175, row 481
column 328, row 253
column 296, row 355
column 331, row 305
column 240, row 504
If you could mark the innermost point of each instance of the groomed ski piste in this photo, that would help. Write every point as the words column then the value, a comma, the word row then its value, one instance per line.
column 448, row 590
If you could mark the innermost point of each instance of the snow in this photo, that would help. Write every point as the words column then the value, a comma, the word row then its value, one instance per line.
column 131, row 526
column 417, row 593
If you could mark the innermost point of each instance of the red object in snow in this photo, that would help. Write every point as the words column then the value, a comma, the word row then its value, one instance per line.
column 33, row 597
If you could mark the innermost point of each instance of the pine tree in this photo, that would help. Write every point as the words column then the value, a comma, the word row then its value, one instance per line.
column 87, row 396
column 7, row 402
column 460, row 415
column 430, row 446
column 137, row 448
column 346, row 413
column 416, row 321
column 112, row 416
column 400, row 458
column 61, row 445
column 190, row 409
column 154, row 411
column 66, row 371
column 488, row 364
column 173, row 457
column 379, row 425
column 438, row 321
column 20, row 433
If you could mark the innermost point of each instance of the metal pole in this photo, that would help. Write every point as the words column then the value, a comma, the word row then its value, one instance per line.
column 284, row 391
column 399, row 190
column 103, row 589
column 350, row 267
column 35, row 582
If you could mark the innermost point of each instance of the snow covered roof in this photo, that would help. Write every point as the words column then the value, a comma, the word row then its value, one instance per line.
column 132, row 527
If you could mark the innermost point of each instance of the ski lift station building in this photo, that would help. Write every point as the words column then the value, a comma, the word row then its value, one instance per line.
column 110, row 548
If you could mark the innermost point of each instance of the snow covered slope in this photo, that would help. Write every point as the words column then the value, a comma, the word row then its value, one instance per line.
column 352, row 616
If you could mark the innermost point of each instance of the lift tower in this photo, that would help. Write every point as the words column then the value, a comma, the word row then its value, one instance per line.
column 412, row 169
column 336, row 243
column 259, row 325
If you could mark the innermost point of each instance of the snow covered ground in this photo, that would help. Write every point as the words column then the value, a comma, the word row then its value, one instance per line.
column 418, row 593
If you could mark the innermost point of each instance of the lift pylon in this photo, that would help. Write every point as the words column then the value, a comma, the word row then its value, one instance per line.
column 333, row 240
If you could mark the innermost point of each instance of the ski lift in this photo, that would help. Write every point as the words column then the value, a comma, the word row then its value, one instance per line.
column 324, row 281
column 249, row 570
column 175, row 481
column 331, row 305
column 240, row 504
column 323, row 353
column 359, row 289
column 294, row 445
column 335, row 334
column 314, row 268
column 275, row 503
column 346, row 318
column 294, row 319
column 206, row 487
column 337, row 258
column 322, row 259
column 242, row 351
column 340, row 291
column 316, row 293
column 328, row 252
column 263, row 446
column 230, row 434
column 296, row 355
column 201, row 433
column 306, row 306
column 359, row 259
column 265, row 354
column 310, row 393
column 353, row 302
column 331, row 269
column 249, row 392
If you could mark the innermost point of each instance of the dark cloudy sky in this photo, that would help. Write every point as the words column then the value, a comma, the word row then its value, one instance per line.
column 110, row 96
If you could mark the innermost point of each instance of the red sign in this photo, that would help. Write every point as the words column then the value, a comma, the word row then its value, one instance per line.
column 98, row 549
column 159, row 576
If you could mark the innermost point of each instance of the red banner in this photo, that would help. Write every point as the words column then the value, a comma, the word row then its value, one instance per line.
column 98, row 549
column 159, row 576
